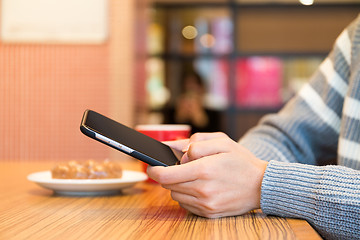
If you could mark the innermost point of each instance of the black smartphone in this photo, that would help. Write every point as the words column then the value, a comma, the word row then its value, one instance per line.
column 127, row 140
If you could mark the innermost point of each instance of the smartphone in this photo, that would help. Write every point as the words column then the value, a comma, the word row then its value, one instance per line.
column 126, row 140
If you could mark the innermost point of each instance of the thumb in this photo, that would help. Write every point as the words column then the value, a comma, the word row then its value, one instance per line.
column 178, row 145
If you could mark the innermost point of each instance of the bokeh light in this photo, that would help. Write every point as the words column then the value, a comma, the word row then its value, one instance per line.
column 307, row 2
column 189, row 32
column 207, row 40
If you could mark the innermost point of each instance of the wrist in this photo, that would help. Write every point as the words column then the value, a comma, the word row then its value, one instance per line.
column 262, row 165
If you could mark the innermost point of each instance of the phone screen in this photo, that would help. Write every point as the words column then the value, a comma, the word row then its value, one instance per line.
column 126, row 139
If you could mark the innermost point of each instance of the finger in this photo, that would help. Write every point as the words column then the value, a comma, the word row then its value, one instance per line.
column 184, row 158
column 201, row 212
column 191, row 209
column 197, row 137
column 183, row 173
column 178, row 145
column 189, row 188
column 184, row 198
column 191, row 204
column 173, row 174
column 209, row 147
column 202, row 207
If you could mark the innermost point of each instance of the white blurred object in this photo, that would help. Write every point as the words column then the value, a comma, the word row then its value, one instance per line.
column 54, row 21
column 158, row 94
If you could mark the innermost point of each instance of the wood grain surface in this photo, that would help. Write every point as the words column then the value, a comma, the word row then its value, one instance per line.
column 145, row 211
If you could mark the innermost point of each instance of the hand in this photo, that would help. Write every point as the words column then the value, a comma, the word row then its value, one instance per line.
column 220, row 177
column 183, row 145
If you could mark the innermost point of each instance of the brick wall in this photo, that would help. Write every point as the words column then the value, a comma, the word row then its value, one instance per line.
column 45, row 88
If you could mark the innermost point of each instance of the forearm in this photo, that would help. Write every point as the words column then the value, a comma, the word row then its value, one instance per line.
column 291, row 137
column 307, row 129
column 327, row 197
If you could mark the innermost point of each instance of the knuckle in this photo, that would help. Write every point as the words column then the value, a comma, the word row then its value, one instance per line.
column 229, row 143
column 196, row 137
column 206, row 192
column 221, row 134
column 206, row 171
column 193, row 152
column 209, row 209
column 227, row 140
column 162, row 179
column 159, row 177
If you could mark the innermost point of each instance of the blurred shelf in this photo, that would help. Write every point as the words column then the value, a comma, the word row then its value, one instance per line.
column 291, row 29
column 193, row 56
column 289, row 36
column 296, row 2
column 250, row 110
column 188, row 2
column 251, row 3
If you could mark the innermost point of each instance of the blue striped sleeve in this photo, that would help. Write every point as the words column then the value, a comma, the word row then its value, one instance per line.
column 326, row 196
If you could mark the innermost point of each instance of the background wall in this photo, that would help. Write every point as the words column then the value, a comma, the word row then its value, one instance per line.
column 44, row 89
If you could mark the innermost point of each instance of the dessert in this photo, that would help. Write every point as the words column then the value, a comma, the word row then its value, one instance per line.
column 89, row 169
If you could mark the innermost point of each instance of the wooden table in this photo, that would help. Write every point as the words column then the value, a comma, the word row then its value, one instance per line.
column 145, row 211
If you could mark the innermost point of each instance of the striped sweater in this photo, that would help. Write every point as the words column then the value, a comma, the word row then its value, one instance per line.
column 313, row 146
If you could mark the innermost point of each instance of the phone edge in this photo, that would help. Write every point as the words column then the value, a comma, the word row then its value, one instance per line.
column 138, row 155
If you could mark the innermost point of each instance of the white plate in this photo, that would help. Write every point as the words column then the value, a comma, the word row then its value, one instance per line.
column 87, row 186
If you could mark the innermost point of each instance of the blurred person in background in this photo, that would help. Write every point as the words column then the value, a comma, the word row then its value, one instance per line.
column 303, row 162
column 190, row 108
